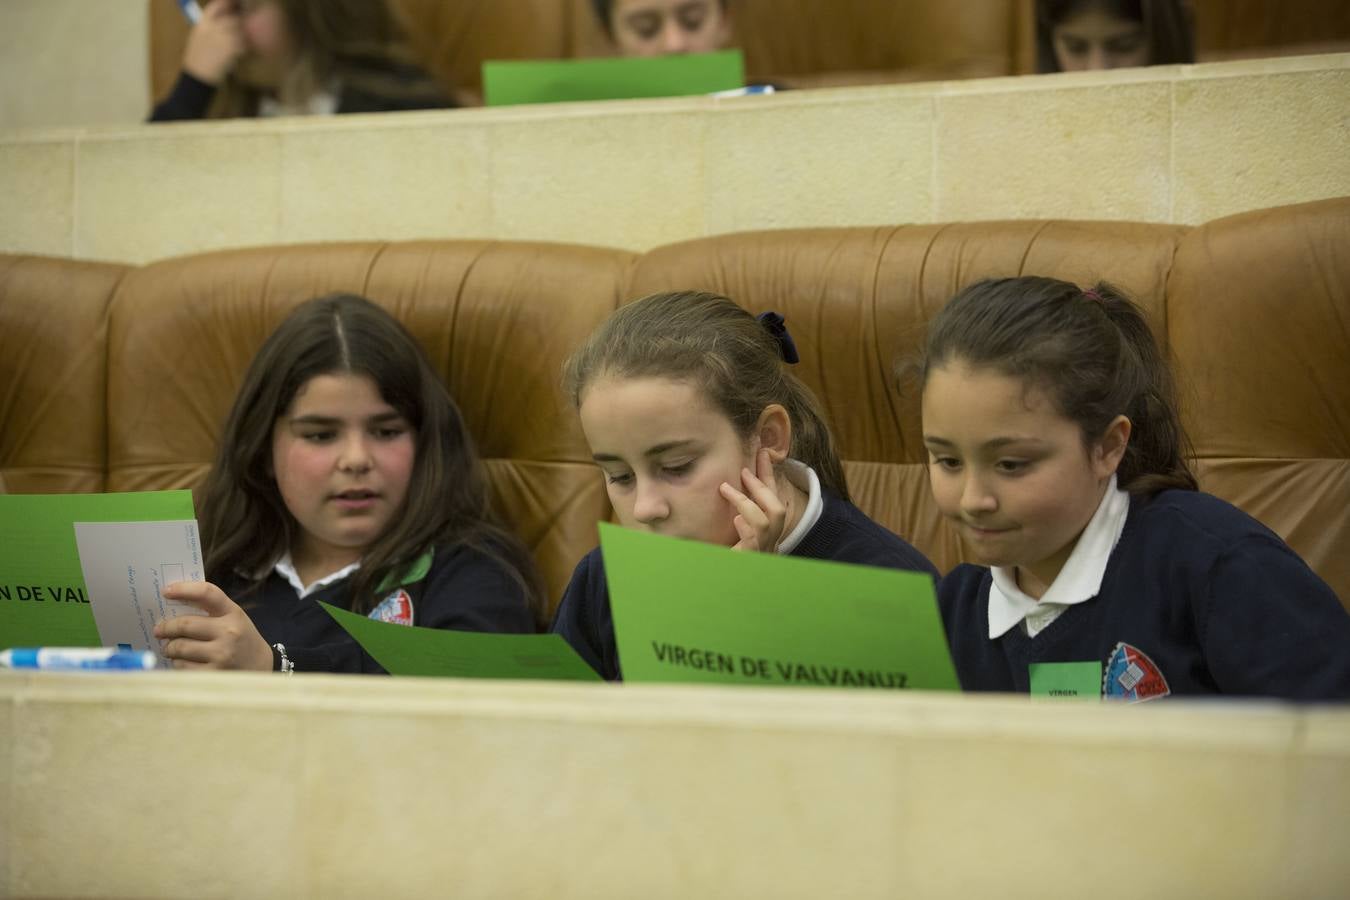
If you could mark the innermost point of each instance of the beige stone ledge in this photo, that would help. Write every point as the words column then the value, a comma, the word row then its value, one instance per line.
column 1181, row 144
column 253, row 785
column 65, row 62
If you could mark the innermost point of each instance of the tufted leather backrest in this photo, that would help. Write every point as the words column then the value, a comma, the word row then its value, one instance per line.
column 1255, row 309
column 857, row 301
column 496, row 320
column 1258, row 312
column 53, row 367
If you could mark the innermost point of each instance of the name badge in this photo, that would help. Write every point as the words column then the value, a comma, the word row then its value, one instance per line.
column 1066, row 681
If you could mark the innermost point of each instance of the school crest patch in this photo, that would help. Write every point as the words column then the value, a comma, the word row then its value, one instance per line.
column 1130, row 675
column 396, row 608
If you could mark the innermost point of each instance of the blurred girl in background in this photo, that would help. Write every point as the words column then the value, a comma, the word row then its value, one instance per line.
column 1081, row 35
column 297, row 57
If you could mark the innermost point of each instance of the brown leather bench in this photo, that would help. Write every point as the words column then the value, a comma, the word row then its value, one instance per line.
column 117, row 378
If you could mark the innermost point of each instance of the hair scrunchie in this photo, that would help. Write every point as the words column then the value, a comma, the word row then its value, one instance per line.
column 774, row 325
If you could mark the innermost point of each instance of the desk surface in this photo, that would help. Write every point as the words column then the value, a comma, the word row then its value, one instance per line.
column 169, row 784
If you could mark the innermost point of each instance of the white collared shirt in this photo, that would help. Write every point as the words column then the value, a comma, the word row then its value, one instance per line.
column 1080, row 579
column 321, row 103
column 804, row 479
column 286, row 569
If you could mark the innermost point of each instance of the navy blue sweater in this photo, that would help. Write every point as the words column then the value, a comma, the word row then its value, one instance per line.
column 1197, row 598
column 191, row 97
column 464, row 589
column 842, row 534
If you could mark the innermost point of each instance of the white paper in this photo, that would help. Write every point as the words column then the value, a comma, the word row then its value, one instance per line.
column 126, row 565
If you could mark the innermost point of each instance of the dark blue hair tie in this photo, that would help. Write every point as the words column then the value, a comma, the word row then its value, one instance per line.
column 773, row 324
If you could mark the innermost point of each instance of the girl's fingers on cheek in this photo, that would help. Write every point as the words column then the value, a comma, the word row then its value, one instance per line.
column 754, row 516
column 733, row 496
column 765, row 496
column 764, row 463
column 750, row 509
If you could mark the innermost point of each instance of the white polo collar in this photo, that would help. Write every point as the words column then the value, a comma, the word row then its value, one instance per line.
column 1078, row 581
column 286, row 569
column 805, row 479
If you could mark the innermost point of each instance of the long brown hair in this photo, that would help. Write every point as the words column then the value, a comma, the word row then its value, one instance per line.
column 711, row 342
column 246, row 526
column 363, row 43
column 1092, row 351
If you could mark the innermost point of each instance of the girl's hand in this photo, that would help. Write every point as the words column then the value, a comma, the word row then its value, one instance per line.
column 760, row 514
column 214, row 43
column 224, row 638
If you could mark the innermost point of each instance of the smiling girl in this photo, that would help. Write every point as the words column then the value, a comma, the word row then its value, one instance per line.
column 345, row 475
column 1056, row 450
column 701, row 433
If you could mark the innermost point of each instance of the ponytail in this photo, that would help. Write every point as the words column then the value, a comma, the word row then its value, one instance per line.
column 1092, row 351
column 812, row 442
column 1158, row 453
column 735, row 359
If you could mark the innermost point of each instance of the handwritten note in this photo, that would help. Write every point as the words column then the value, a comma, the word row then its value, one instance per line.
column 126, row 567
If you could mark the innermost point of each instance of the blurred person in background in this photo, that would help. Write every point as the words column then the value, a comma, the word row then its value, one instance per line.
column 297, row 57
column 665, row 27
column 1082, row 35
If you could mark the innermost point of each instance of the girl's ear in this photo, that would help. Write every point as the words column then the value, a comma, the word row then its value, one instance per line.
column 1111, row 448
column 774, row 431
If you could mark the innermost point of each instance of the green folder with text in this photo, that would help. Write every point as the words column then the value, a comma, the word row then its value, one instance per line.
column 509, row 82
column 686, row 611
column 444, row 653
column 43, row 602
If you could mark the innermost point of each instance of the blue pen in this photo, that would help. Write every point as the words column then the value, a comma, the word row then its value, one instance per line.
column 192, row 9
column 77, row 658
column 750, row 90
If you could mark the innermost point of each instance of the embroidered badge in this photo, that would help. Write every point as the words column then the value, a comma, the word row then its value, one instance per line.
column 1131, row 675
column 396, row 608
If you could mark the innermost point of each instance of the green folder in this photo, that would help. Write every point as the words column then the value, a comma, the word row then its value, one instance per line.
column 463, row 654
column 506, row 83
column 686, row 611
column 43, row 602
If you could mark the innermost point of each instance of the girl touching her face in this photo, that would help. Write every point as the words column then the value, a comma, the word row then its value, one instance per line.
column 298, row 57
column 701, row 433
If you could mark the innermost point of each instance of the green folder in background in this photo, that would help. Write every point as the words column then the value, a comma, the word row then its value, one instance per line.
column 506, row 83
column 463, row 654
column 686, row 611
column 43, row 601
